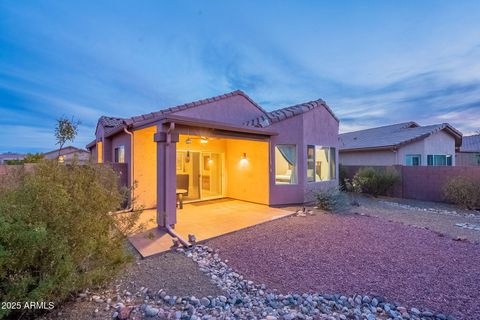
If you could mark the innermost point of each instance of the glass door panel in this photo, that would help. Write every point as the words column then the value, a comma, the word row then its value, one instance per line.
column 212, row 175
column 201, row 173
column 188, row 174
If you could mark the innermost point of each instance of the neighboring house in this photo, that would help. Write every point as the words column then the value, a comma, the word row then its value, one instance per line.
column 469, row 152
column 67, row 154
column 11, row 156
column 407, row 144
column 225, row 146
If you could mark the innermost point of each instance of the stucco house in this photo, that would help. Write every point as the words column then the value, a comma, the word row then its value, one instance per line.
column 67, row 154
column 469, row 152
column 407, row 144
column 224, row 146
column 5, row 157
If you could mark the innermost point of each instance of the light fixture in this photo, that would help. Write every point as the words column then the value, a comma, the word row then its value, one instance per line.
column 203, row 140
column 244, row 156
column 188, row 141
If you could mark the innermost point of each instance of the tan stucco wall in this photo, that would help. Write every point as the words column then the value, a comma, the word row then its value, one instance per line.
column 372, row 158
column 417, row 147
column 247, row 179
column 438, row 143
column 145, row 168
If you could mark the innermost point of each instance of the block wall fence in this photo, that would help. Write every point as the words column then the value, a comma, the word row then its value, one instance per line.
column 421, row 183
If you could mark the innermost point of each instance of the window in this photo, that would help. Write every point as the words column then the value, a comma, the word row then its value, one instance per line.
column 286, row 164
column 321, row 163
column 120, row 154
column 310, row 163
column 413, row 160
column 325, row 163
column 439, row 160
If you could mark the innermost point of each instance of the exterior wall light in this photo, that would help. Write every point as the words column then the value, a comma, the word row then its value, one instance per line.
column 244, row 156
column 203, row 140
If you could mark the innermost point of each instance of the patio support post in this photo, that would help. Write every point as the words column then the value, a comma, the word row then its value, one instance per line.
column 166, row 141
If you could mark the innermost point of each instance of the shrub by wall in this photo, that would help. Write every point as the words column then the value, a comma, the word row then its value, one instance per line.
column 331, row 199
column 375, row 182
column 463, row 191
column 56, row 233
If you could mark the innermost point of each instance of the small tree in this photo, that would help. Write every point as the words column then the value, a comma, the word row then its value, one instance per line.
column 65, row 130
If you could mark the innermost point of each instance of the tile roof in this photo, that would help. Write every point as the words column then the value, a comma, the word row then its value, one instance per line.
column 392, row 136
column 190, row 105
column 471, row 143
column 287, row 112
column 111, row 123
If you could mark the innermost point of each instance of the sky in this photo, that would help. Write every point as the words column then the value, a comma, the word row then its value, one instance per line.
column 373, row 62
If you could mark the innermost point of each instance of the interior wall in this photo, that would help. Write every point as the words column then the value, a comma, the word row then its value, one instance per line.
column 145, row 168
column 247, row 179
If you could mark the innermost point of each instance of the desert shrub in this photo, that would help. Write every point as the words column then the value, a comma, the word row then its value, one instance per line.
column 56, row 233
column 374, row 182
column 463, row 191
column 331, row 199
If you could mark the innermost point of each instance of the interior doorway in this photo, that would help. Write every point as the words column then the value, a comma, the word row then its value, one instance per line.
column 201, row 173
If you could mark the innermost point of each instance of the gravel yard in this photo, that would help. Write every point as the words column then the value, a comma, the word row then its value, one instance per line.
column 369, row 263
column 172, row 272
column 340, row 253
column 438, row 217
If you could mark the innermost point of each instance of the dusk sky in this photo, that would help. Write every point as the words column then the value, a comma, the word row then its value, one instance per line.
column 373, row 62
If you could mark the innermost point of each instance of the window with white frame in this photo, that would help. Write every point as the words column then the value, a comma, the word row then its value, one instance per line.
column 439, row 160
column 285, row 164
column 120, row 154
column 413, row 160
column 321, row 163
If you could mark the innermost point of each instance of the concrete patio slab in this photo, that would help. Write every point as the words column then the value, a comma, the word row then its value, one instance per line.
column 206, row 220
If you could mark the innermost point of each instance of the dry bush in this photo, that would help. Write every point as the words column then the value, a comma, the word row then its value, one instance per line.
column 463, row 191
column 56, row 233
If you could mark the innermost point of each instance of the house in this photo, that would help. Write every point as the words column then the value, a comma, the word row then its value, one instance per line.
column 469, row 152
column 224, row 146
column 4, row 157
column 67, row 154
column 407, row 144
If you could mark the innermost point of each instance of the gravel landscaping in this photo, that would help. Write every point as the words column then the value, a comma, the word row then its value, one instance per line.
column 439, row 217
column 244, row 299
column 313, row 266
column 172, row 272
column 353, row 254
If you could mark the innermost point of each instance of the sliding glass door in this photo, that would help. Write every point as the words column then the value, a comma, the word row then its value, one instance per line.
column 201, row 173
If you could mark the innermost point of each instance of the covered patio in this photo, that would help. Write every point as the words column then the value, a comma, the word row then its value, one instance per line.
column 205, row 220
